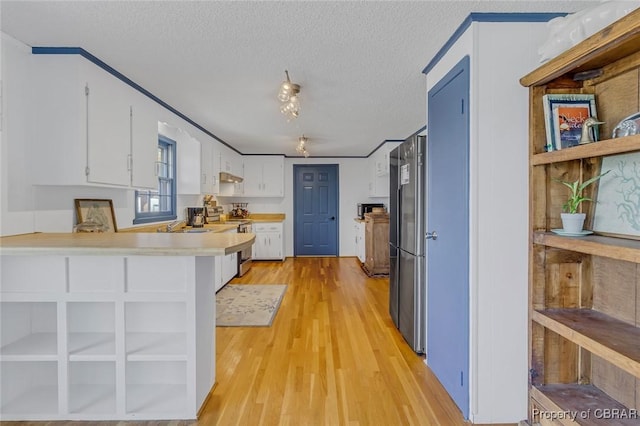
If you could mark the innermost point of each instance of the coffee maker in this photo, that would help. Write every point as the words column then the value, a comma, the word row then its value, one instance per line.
column 195, row 216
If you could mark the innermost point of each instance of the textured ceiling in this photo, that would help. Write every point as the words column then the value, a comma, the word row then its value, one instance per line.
column 221, row 62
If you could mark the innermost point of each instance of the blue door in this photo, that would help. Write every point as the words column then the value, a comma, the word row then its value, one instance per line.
column 448, row 216
column 315, row 210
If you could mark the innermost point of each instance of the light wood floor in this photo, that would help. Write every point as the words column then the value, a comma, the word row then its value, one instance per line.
column 331, row 357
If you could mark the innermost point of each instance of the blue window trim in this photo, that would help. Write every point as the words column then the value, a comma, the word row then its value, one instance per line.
column 162, row 216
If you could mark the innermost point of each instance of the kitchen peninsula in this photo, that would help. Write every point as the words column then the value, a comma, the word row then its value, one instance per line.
column 110, row 325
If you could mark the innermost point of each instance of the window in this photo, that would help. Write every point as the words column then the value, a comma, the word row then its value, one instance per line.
column 155, row 206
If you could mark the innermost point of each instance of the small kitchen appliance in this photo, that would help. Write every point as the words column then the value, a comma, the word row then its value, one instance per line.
column 195, row 216
column 367, row 208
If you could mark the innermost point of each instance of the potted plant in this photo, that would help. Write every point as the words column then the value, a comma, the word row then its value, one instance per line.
column 572, row 221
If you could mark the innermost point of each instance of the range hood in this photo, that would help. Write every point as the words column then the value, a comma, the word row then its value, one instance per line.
column 229, row 178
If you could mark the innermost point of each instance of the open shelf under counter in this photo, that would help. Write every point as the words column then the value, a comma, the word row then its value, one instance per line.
column 33, row 347
column 597, row 245
column 600, row 334
column 92, row 346
column 589, row 404
column 594, row 149
column 156, row 346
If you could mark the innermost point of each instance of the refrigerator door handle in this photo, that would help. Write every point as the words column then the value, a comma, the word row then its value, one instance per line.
column 431, row 235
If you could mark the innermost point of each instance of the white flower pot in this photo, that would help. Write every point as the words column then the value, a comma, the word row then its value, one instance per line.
column 573, row 222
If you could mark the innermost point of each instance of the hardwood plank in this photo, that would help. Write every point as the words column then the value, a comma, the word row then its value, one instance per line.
column 600, row 334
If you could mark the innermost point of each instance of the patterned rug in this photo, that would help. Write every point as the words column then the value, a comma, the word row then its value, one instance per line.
column 248, row 305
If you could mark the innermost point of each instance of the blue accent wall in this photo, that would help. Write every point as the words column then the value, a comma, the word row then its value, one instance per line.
column 487, row 17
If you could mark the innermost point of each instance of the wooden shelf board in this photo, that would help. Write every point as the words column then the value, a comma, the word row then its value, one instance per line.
column 598, row 245
column 612, row 43
column 600, row 334
column 596, row 149
column 584, row 400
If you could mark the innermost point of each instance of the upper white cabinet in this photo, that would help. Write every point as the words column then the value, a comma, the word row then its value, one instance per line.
column 108, row 129
column 90, row 127
column 230, row 161
column 144, row 142
column 188, row 153
column 209, row 168
column 379, row 170
column 263, row 176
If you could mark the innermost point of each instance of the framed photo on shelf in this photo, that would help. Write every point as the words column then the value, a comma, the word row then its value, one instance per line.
column 617, row 207
column 97, row 211
column 564, row 115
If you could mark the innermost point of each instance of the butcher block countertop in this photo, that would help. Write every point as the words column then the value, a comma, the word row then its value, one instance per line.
column 126, row 244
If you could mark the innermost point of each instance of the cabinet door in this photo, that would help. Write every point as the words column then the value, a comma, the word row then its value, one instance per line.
column 274, row 245
column 188, row 164
column 206, row 168
column 109, row 131
column 144, row 142
column 260, row 247
column 253, row 185
column 273, row 176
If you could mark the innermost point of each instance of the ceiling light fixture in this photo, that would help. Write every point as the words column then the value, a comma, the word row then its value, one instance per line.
column 302, row 148
column 289, row 96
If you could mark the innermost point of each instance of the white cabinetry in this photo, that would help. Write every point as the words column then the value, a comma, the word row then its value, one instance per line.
column 230, row 161
column 144, row 142
column 379, row 170
column 263, row 176
column 229, row 265
column 90, row 128
column 106, row 337
column 269, row 241
column 209, row 168
column 359, row 228
column 188, row 153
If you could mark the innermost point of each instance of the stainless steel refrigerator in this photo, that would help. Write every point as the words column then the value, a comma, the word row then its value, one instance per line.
column 407, row 279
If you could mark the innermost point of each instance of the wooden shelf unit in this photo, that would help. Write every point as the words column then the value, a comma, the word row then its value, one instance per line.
column 584, row 293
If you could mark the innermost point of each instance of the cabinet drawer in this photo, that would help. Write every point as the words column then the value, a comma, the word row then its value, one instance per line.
column 267, row 227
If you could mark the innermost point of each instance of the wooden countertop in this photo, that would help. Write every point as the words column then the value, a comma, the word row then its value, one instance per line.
column 267, row 217
column 126, row 243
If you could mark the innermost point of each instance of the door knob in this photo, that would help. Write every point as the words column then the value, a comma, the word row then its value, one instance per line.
column 332, row 218
column 432, row 235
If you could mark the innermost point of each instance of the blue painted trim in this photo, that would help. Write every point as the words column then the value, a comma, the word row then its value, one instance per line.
column 80, row 51
column 487, row 17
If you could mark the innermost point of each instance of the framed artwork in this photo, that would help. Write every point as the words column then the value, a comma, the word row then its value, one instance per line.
column 564, row 115
column 97, row 211
column 617, row 210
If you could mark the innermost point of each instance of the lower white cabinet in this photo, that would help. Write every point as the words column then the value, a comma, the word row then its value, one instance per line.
column 360, row 243
column 229, row 267
column 269, row 241
column 106, row 337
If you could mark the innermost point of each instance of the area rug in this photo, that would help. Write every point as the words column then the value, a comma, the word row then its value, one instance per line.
column 248, row 305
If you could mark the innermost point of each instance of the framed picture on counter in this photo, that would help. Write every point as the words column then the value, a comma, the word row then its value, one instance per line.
column 96, row 211
column 564, row 115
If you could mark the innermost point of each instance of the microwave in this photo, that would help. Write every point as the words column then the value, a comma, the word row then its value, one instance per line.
column 367, row 208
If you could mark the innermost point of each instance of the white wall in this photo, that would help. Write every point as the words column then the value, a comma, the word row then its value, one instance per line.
column 500, row 53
